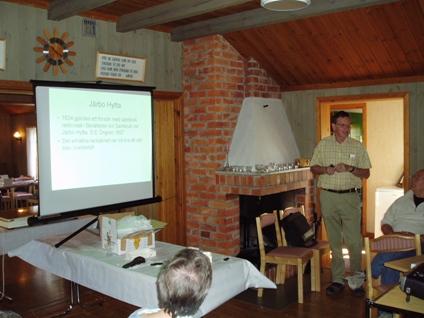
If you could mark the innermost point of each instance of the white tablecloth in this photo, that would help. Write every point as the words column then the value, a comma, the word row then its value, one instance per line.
column 13, row 238
column 83, row 261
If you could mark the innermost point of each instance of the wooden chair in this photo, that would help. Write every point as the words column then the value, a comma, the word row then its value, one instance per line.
column 6, row 200
column 386, row 243
column 319, row 249
column 21, row 199
column 282, row 255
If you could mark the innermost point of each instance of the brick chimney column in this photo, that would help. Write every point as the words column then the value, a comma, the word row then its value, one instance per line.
column 216, row 78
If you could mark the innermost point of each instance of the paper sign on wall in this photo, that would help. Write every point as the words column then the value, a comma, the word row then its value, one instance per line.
column 2, row 54
column 120, row 67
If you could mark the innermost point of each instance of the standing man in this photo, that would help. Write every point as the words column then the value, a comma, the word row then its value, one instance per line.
column 341, row 162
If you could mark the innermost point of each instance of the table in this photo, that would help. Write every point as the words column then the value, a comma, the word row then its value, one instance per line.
column 395, row 300
column 19, row 183
column 82, row 260
column 404, row 265
column 13, row 238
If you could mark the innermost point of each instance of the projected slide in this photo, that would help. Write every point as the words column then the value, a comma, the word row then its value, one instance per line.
column 93, row 137
column 95, row 146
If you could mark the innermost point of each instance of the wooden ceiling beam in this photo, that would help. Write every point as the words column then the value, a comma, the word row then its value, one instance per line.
column 354, row 83
column 171, row 11
column 261, row 17
column 62, row 9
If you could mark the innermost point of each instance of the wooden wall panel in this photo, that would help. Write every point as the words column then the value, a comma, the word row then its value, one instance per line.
column 20, row 25
column 301, row 109
column 6, row 162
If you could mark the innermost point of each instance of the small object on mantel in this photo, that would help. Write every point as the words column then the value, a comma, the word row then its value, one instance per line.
column 303, row 162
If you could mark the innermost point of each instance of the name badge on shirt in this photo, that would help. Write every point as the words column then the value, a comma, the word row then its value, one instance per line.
column 352, row 156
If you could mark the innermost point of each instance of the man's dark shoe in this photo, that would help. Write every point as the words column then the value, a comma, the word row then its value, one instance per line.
column 359, row 292
column 334, row 289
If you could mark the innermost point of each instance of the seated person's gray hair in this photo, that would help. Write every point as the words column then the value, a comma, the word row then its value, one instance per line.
column 183, row 282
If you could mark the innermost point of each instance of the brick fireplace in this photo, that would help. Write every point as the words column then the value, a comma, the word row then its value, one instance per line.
column 216, row 80
column 264, row 192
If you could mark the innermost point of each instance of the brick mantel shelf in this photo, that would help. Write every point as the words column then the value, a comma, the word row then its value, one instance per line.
column 260, row 184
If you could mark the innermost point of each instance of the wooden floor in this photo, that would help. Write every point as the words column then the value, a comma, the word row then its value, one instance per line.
column 36, row 293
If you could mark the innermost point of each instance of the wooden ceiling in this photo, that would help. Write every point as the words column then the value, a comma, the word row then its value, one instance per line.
column 329, row 44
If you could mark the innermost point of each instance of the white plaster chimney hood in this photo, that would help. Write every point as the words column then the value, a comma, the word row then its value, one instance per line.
column 263, row 135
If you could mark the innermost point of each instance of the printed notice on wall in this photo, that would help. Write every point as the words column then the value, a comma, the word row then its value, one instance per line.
column 2, row 54
column 120, row 67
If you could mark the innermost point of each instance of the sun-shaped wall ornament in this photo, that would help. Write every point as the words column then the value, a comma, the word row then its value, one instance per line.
column 55, row 51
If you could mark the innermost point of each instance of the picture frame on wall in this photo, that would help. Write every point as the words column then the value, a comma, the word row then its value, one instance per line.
column 120, row 67
column 2, row 54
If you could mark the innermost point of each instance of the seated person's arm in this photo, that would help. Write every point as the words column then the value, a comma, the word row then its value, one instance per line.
column 387, row 229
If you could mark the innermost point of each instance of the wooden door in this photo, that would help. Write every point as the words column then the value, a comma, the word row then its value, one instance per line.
column 169, row 165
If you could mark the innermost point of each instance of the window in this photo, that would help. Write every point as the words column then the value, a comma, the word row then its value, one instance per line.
column 32, row 156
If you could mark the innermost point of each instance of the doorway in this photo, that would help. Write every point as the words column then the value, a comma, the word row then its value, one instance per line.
column 385, row 134
column 17, row 112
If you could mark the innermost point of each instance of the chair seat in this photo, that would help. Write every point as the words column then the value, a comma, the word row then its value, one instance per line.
column 22, row 195
column 290, row 252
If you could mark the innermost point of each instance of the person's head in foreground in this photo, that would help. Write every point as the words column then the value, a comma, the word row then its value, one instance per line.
column 183, row 283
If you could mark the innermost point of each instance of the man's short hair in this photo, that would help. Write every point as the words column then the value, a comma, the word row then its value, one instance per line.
column 339, row 114
column 183, row 282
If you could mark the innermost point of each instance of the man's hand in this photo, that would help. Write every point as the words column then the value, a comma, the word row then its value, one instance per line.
column 331, row 169
column 342, row 167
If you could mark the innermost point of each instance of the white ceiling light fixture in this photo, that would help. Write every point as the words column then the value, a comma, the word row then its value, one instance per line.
column 285, row 5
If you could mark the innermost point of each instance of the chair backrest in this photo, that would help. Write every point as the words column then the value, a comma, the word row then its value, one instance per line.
column 293, row 209
column 388, row 243
column 265, row 220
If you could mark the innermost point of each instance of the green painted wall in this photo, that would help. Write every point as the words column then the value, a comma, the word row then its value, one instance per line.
column 301, row 110
column 20, row 25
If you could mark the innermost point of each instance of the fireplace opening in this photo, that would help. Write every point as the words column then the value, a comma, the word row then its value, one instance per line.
column 252, row 206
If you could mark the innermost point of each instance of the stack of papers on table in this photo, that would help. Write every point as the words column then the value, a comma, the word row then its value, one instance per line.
column 14, row 218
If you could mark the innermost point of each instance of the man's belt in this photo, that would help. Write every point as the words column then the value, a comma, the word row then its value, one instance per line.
column 343, row 191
